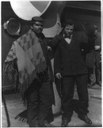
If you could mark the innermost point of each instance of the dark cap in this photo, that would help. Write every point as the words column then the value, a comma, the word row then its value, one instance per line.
column 36, row 18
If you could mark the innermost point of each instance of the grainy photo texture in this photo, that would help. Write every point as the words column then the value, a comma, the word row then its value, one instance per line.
column 51, row 63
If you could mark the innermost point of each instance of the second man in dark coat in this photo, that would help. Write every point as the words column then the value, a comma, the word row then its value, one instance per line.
column 70, row 67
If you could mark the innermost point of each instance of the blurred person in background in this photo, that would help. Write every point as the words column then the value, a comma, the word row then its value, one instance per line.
column 93, row 57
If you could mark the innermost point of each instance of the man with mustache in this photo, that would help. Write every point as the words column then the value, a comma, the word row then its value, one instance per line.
column 70, row 68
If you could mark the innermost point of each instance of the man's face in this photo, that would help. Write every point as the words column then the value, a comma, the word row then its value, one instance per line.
column 38, row 27
column 68, row 30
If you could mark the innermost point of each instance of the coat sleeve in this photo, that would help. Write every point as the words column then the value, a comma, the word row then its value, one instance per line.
column 83, row 37
column 84, row 41
column 54, row 42
column 57, row 61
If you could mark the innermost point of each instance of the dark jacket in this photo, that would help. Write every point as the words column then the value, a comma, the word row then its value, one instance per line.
column 43, row 43
column 49, row 71
column 68, row 58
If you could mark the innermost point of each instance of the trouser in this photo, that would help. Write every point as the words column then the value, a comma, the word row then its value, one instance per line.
column 97, row 66
column 67, row 89
column 39, row 102
column 58, row 86
column 90, row 75
column 97, row 74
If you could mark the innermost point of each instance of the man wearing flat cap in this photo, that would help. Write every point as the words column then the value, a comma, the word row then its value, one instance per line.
column 40, row 93
column 35, row 74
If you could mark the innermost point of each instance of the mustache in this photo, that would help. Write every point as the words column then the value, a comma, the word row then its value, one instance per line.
column 40, row 29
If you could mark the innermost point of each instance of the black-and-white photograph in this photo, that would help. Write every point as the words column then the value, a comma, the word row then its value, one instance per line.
column 51, row 63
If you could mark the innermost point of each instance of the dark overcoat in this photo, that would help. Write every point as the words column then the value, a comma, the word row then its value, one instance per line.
column 68, row 58
column 44, row 43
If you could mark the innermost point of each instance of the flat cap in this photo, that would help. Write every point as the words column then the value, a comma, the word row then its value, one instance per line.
column 37, row 18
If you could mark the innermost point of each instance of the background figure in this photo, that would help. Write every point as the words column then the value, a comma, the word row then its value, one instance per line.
column 93, row 57
column 70, row 67
column 97, row 56
column 40, row 92
column 90, row 57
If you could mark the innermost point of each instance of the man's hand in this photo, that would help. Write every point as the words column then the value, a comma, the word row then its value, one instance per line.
column 58, row 76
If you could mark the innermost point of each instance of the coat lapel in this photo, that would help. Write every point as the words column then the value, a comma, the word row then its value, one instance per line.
column 65, row 44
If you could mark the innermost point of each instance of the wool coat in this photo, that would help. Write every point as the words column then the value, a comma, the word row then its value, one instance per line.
column 68, row 58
